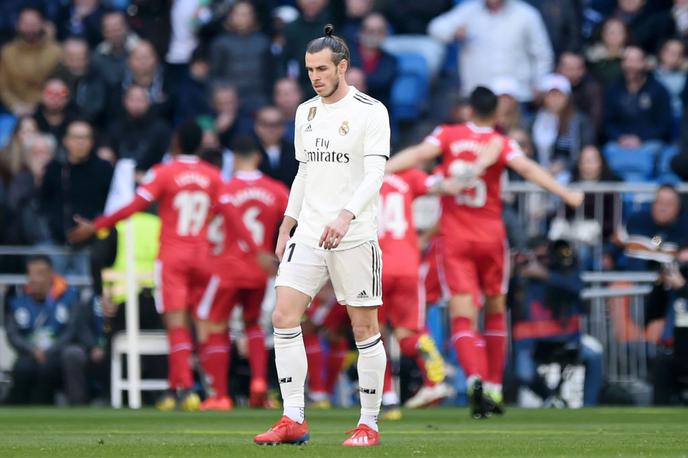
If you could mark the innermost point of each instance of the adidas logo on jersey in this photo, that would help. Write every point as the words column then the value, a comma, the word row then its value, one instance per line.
column 367, row 390
column 362, row 295
column 308, row 128
column 285, row 380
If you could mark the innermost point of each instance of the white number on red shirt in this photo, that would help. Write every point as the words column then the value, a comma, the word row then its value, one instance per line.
column 193, row 210
column 254, row 225
column 392, row 215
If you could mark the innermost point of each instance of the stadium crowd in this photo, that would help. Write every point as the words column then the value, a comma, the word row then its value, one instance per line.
column 593, row 90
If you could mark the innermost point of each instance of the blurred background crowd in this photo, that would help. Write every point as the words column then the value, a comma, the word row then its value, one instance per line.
column 594, row 90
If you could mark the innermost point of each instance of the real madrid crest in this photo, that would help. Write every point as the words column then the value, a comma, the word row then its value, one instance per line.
column 311, row 113
column 344, row 128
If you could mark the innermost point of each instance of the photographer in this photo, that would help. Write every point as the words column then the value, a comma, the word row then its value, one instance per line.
column 546, row 319
column 671, row 364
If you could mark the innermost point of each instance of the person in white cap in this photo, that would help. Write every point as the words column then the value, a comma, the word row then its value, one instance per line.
column 509, row 113
column 559, row 130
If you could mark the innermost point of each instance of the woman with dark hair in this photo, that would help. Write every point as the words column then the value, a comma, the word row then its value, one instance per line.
column 604, row 56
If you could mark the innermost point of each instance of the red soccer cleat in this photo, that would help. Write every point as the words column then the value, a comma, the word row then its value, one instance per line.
column 285, row 431
column 223, row 403
column 363, row 436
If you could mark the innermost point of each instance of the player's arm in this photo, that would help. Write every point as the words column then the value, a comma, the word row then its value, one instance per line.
column 413, row 156
column 532, row 172
column 291, row 215
column 86, row 228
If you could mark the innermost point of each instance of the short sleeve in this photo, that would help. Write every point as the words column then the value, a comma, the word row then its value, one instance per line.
column 511, row 150
column 377, row 135
column 152, row 184
column 298, row 141
column 438, row 137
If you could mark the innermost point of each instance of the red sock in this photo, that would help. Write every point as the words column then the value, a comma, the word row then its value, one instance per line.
column 495, row 340
column 335, row 361
column 469, row 351
column 215, row 361
column 257, row 356
column 179, row 359
column 387, row 385
column 314, row 353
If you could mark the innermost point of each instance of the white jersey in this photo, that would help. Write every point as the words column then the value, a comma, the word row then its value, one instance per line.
column 332, row 139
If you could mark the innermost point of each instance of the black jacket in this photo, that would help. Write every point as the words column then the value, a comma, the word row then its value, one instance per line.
column 144, row 139
column 287, row 166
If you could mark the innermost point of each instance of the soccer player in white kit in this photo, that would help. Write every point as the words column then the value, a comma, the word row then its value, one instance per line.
column 342, row 142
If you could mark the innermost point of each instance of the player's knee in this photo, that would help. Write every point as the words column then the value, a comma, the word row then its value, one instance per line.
column 282, row 319
column 363, row 331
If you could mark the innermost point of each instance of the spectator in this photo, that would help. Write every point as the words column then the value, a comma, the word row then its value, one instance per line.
column 287, row 96
column 278, row 159
column 521, row 48
column 78, row 185
column 671, row 72
column 80, row 18
column 309, row 25
column 30, row 226
column 356, row 77
column 648, row 27
column 194, row 92
column 110, row 56
column 637, row 108
column 228, row 119
column 92, row 338
column 26, row 63
column 12, row 156
column 412, row 17
column 563, row 24
column 41, row 326
column 586, row 93
column 379, row 66
column 604, row 56
column 355, row 11
column 548, row 319
column 183, row 27
column 54, row 112
column 138, row 134
column 509, row 112
column 144, row 69
column 559, row 130
column 88, row 89
column 680, row 15
column 665, row 220
column 241, row 55
column 151, row 20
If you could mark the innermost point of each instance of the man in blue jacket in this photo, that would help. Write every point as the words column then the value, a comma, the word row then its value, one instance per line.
column 41, row 327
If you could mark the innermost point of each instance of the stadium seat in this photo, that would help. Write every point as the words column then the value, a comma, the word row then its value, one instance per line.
column 664, row 172
column 632, row 164
column 7, row 123
column 410, row 89
column 150, row 343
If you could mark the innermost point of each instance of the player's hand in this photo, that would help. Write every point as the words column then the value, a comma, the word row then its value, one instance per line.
column 573, row 199
column 267, row 262
column 83, row 231
column 335, row 231
column 453, row 186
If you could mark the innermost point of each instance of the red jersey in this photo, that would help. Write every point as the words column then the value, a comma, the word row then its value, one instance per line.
column 260, row 202
column 186, row 189
column 396, row 229
column 475, row 214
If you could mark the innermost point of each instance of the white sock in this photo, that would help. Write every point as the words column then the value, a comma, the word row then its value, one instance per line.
column 390, row 399
column 372, row 362
column 292, row 367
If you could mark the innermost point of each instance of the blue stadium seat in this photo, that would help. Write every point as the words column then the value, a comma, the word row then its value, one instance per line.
column 664, row 161
column 7, row 123
column 411, row 87
column 637, row 164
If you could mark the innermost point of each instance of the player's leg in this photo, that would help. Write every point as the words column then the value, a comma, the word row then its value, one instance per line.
column 300, row 277
column 336, row 327
column 171, row 300
column 356, row 276
column 493, row 271
column 251, row 301
column 212, row 315
column 318, row 396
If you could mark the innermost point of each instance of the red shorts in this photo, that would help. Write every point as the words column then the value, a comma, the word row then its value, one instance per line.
column 404, row 302
column 178, row 284
column 217, row 301
column 251, row 301
column 471, row 267
column 328, row 315
column 435, row 288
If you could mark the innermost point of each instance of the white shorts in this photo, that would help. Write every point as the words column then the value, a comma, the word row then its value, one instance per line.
column 356, row 273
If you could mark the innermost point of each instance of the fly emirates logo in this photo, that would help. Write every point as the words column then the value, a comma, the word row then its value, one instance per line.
column 323, row 153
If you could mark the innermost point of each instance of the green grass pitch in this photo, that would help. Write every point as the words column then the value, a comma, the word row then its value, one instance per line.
column 443, row 432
